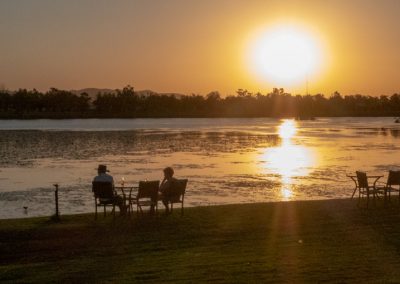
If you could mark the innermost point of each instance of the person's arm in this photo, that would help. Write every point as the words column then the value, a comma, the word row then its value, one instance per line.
column 164, row 186
column 160, row 188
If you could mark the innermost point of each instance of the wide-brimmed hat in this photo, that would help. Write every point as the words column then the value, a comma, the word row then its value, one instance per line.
column 102, row 168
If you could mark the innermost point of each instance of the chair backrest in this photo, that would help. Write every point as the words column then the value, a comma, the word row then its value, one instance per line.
column 103, row 190
column 177, row 189
column 148, row 189
column 362, row 179
column 393, row 178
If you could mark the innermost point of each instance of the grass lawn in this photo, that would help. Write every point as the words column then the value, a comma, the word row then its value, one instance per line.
column 310, row 241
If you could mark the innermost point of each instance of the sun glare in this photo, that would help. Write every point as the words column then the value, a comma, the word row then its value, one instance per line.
column 284, row 55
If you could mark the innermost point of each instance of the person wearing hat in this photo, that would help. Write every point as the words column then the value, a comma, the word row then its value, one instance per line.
column 104, row 177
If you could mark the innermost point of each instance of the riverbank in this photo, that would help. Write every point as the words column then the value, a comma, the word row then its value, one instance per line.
column 304, row 241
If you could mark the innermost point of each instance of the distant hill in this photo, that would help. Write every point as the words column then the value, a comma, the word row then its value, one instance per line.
column 92, row 92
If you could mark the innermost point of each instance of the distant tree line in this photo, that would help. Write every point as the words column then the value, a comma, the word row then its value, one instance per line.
column 127, row 103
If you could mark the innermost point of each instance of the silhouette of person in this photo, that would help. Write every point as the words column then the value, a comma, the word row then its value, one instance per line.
column 165, row 186
column 102, row 176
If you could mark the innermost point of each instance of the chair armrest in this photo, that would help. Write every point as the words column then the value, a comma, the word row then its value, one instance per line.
column 131, row 188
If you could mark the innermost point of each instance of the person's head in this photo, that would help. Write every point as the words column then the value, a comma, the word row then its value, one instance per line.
column 168, row 172
column 102, row 169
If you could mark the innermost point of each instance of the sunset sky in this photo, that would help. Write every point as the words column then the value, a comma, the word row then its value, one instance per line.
column 195, row 46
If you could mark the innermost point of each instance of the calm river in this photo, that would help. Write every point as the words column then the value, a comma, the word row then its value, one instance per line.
column 225, row 160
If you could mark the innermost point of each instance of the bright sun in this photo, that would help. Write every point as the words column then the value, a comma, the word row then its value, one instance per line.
column 284, row 55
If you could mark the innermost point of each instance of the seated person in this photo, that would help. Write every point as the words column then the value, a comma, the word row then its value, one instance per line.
column 165, row 186
column 104, row 177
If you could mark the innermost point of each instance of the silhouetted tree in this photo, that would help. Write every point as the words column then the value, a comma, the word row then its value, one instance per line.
column 126, row 103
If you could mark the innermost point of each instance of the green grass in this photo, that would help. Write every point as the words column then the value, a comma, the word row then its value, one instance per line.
column 310, row 241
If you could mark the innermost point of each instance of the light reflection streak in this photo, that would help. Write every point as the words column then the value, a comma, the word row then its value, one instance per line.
column 288, row 160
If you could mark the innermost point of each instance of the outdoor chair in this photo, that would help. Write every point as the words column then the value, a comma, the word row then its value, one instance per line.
column 364, row 188
column 176, row 193
column 147, row 195
column 104, row 195
column 392, row 184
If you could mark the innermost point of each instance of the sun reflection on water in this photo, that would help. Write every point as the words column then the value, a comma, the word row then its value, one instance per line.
column 288, row 160
column 287, row 129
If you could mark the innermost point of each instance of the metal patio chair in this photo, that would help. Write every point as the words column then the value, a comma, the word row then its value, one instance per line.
column 392, row 185
column 104, row 195
column 147, row 195
column 364, row 188
column 176, row 193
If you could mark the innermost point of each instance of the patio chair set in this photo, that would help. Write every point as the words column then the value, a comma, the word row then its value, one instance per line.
column 146, row 194
column 370, row 187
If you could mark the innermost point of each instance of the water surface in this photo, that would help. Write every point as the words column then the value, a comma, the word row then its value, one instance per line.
column 225, row 160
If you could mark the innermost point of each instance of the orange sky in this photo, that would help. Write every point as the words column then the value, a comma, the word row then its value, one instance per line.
column 192, row 47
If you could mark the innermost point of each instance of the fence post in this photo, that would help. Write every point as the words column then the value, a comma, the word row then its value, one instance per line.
column 57, row 215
